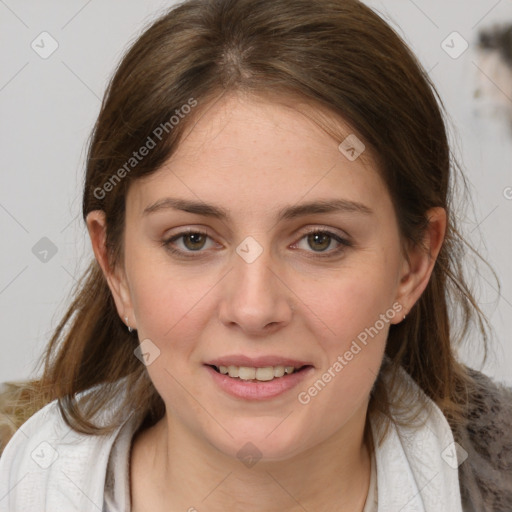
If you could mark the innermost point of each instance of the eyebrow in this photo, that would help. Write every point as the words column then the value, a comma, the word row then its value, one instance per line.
column 288, row 213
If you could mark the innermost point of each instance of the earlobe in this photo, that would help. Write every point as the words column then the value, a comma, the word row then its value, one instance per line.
column 421, row 259
column 115, row 276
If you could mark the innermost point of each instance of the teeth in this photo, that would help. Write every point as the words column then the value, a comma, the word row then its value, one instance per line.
column 246, row 373
column 262, row 374
column 278, row 371
column 233, row 371
column 266, row 373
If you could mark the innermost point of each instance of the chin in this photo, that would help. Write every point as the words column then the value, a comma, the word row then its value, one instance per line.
column 259, row 442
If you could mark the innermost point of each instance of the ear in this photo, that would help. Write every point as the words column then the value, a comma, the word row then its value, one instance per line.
column 115, row 276
column 419, row 264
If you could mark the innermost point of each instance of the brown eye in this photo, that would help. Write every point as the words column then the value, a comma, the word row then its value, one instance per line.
column 187, row 243
column 323, row 244
column 319, row 240
column 194, row 241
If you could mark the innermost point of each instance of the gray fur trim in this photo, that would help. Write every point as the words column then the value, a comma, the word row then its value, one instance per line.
column 486, row 476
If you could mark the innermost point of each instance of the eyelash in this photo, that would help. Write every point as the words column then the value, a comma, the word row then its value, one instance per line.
column 344, row 243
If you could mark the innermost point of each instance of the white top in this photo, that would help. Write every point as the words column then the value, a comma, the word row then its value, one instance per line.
column 47, row 466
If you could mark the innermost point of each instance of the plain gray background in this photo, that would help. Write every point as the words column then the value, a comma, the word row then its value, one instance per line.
column 48, row 107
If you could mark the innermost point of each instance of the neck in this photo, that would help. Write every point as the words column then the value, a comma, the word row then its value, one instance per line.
column 192, row 475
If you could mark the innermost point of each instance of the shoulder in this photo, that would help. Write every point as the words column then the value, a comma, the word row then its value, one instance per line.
column 489, row 419
column 48, row 466
column 486, row 474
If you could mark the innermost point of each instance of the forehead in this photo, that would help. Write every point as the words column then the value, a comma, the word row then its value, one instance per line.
column 271, row 121
column 256, row 150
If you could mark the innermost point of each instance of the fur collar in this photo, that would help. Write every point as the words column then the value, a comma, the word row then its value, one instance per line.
column 486, row 475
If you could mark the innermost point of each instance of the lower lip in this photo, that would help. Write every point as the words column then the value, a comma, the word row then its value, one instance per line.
column 258, row 390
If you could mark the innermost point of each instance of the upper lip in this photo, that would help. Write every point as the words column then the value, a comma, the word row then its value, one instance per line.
column 257, row 362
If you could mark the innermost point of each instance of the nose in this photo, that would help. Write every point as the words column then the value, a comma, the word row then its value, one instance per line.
column 255, row 296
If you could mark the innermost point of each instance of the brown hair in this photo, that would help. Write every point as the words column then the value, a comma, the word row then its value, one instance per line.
column 339, row 55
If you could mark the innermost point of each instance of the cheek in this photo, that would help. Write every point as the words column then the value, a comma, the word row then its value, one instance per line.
column 354, row 301
column 166, row 298
column 352, row 325
column 170, row 313
column 351, row 321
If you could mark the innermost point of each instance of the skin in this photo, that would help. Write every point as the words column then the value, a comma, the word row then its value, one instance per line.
column 288, row 302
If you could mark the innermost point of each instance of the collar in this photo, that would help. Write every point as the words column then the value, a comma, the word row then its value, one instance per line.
column 417, row 466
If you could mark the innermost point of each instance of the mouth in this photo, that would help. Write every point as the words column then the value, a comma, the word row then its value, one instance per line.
column 259, row 374
column 257, row 378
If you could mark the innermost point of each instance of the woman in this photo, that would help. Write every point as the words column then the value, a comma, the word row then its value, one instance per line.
column 266, row 323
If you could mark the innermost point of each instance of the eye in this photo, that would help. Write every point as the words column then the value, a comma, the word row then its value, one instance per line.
column 191, row 241
column 188, row 242
column 321, row 240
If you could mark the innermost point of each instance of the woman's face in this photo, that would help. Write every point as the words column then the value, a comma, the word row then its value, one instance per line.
column 252, row 286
